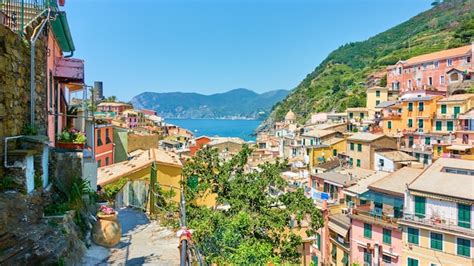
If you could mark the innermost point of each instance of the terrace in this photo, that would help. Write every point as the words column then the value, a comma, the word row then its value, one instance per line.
column 440, row 223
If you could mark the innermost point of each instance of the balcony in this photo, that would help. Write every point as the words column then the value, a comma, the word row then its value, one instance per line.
column 445, row 116
column 374, row 216
column 436, row 222
column 425, row 149
column 69, row 70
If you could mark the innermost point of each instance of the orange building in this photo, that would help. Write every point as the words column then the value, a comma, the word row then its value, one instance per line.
column 430, row 71
column 104, row 145
column 198, row 143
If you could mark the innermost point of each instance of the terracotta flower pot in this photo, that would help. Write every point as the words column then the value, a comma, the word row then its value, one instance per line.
column 107, row 230
column 70, row 145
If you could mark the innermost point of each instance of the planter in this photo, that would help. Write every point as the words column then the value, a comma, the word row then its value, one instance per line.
column 107, row 230
column 70, row 145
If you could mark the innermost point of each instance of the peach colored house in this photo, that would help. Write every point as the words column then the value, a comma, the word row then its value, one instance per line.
column 434, row 70
column 115, row 107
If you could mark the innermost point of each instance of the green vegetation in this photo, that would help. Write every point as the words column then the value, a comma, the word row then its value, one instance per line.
column 339, row 81
column 256, row 227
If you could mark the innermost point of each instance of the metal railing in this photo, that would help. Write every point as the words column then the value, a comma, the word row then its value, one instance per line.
column 440, row 223
column 18, row 14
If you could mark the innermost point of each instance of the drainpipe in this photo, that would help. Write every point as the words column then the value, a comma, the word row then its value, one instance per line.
column 34, row 38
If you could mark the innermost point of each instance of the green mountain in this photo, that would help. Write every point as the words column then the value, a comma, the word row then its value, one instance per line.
column 339, row 81
column 238, row 103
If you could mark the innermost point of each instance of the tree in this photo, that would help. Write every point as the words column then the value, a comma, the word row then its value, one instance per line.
column 111, row 99
column 255, row 228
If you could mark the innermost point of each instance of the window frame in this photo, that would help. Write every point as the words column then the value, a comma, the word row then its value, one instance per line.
column 385, row 235
column 469, row 248
column 367, row 231
column 466, row 222
column 437, row 241
column 413, row 238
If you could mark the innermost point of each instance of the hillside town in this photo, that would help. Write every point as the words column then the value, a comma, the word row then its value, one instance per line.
column 393, row 180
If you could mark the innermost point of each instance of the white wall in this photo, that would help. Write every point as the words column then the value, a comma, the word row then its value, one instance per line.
column 389, row 165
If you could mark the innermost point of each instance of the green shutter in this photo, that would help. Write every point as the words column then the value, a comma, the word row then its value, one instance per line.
column 345, row 259
column 464, row 215
column 351, row 161
column 334, row 252
column 420, row 123
column 410, row 122
column 412, row 262
column 421, row 106
column 334, row 152
column 443, row 108
column 463, row 247
column 352, row 146
column 315, row 260
column 377, row 93
column 389, row 124
column 438, row 125
column 427, row 140
column 410, row 107
column 420, row 203
column 436, row 241
column 413, row 235
column 367, row 257
column 359, row 147
column 368, row 231
column 450, row 125
column 361, row 115
column 318, row 241
column 387, row 236
column 457, row 110
column 358, row 162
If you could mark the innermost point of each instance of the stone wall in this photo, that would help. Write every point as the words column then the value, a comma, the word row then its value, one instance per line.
column 15, row 86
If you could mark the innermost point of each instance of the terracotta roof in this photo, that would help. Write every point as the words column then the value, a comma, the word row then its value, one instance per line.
column 362, row 184
column 113, row 104
column 319, row 133
column 457, row 97
column 364, row 136
column 357, row 109
column 436, row 180
column 396, row 182
column 450, row 53
column 140, row 159
column 396, row 156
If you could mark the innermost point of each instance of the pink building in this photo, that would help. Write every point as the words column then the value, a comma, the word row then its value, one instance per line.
column 116, row 107
column 435, row 70
column 148, row 112
column 375, row 237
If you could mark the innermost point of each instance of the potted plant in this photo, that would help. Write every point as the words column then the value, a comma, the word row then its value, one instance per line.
column 71, row 139
column 107, row 230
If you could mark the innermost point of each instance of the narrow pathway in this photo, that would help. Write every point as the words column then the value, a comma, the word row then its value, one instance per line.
column 143, row 242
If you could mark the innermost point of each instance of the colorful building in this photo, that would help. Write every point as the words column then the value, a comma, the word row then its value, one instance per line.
column 375, row 96
column 197, row 144
column 117, row 108
column 430, row 71
column 361, row 147
column 448, row 111
column 104, row 146
column 438, row 220
column 375, row 237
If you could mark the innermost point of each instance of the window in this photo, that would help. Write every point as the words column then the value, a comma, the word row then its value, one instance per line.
column 418, row 82
column 436, row 64
column 457, row 110
column 99, row 163
column 410, row 122
column 436, row 241
column 99, row 140
column 464, row 215
column 399, row 70
column 107, row 137
column 410, row 141
column 409, row 83
column 430, row 81
column 389, row 124
column 438, row 125
column 420, row 123
column 441, row 79
column 352, row 146
column 377, row 102
column 361, row 115
column 334, row 152
column 358, row 163
column 377, row 93
column 439, row 149
column 106, row 160
column 410, row 107
column 450, row 125
column 345, row 259
column 427, row 140
column 351, row 161
column 51, row 97
column 334, row 252
column 368, row 231
column 318, row 241
column 386, row 259
column 359, row 147
column 412, row 262
column 381, row 162
column 443, row 108
column 351, row 115
column 421, row 106
column 450, row 62
column 387, row 236
column 367, row 257
column 463, row 247
column 413, row 235
column 315, row 260
column 420, row 203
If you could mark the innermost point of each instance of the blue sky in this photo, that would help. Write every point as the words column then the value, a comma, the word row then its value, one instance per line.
column 210, row 46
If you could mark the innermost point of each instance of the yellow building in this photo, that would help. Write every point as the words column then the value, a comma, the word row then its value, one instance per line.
column 418, row 113
column 392, row 119
column 375, row 96
column 138, row 169
column 437, row 224
column 321, row 145
column 361, row 147
column 448, row 109
column 357, row 113
column 339, row 239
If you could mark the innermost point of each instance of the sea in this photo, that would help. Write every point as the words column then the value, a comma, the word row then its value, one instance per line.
column 243, row 129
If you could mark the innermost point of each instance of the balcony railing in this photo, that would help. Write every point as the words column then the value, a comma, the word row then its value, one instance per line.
column 17, row 14
column 440, row 223
column 375, row 215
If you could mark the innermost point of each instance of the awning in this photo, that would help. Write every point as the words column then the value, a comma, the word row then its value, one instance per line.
column 338, row 229
column 62, row 32
column 383, row 198
column 459, row 147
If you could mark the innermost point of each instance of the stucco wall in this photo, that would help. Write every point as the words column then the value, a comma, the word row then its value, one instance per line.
column 143, row 142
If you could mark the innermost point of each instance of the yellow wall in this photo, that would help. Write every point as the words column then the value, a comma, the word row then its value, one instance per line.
column 425, row 255
column 427, row 114
column 396, row 126
column 316, row 152
column 372, row 97
column 339, row 254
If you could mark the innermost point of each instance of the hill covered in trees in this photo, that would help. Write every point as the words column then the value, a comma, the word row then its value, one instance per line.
column 339, row 81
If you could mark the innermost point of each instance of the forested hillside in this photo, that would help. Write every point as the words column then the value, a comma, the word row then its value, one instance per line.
column 339, row 81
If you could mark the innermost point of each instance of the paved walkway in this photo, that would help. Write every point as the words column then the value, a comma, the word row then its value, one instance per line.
column 143, row 242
